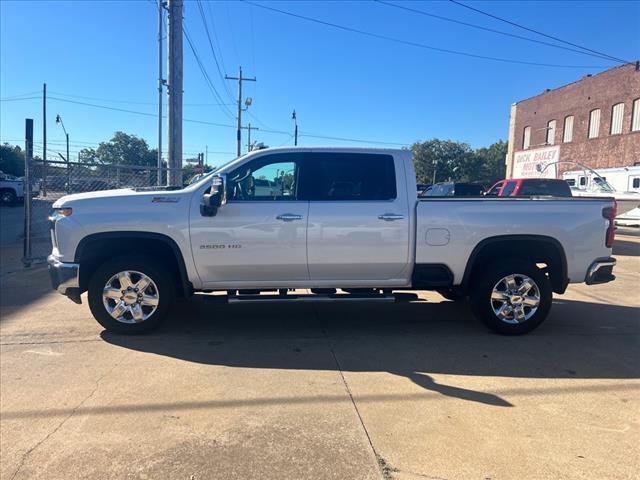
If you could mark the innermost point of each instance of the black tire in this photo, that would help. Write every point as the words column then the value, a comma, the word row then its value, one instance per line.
column 7, row 196
column 151, row 268
column 482, row 289
column 451, row 294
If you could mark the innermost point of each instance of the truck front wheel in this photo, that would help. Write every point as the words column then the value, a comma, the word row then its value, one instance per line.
column 511, row 298
column 130, row 295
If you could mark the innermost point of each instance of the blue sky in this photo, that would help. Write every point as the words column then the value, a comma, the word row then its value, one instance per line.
column 342, row 84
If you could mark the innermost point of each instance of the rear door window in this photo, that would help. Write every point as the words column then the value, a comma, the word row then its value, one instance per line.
column 348, row 177
column 508, row 189
column 556, row 189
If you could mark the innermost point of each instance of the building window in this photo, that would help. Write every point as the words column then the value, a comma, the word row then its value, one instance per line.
column 551, row 132
column 617, row 113
column 635, row 116
column 567, row 134
column 594, row 123
column 526, row 138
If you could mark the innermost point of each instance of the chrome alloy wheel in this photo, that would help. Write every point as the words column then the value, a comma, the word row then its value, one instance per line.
column 515, row 298
column 130, row 297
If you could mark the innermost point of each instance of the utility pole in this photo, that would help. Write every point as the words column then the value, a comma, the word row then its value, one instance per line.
column 249, row 128
column 206, row 154
column 240, row 79
column 44, row 139
column 28, row 158
column 174, row 92
column 294, row 117
column 160, row 85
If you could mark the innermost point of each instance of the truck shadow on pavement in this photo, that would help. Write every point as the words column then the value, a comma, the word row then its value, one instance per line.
column 413, row 340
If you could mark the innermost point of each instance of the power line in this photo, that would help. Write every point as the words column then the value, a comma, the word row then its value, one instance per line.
column 213, row 52
column 10, row 97
column 18, row 99
column 137, row 113
column 537, row 32
column 218, row 44
column 480, row 27
column 130, row 102
column 224, row 125
column 356, row 140
column 203, row 70
column 415, row 44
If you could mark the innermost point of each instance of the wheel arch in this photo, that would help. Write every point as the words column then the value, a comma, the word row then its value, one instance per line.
column 537, row 248
column 94, row 249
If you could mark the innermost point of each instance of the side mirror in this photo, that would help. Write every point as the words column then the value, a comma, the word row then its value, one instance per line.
column 216, row 198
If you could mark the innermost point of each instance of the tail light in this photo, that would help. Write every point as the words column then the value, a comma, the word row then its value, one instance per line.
column 610, row 214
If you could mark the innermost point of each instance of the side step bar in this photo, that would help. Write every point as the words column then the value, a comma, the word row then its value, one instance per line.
column 310, row 298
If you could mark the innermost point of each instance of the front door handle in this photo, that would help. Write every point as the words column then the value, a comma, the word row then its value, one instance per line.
column 390, row 217
column 289, row 217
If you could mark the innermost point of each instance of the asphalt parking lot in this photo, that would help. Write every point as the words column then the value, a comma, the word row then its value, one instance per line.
column 322, row 391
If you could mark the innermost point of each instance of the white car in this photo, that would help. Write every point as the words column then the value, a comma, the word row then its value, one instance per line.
column 342, row 218
column 11, row 189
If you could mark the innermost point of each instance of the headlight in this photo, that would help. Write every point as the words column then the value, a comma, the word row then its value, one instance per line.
column 60, row 213
column 63, row 212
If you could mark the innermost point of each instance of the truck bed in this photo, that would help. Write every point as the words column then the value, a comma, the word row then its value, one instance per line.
column 449, row 229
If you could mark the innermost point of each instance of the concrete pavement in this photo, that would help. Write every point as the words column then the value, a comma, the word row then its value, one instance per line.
column 344, row 391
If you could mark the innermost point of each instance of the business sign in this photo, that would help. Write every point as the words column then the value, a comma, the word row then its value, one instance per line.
column 532, row 163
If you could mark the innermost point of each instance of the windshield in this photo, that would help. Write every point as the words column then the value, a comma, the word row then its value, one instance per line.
column 201, row 176
column 602, row 185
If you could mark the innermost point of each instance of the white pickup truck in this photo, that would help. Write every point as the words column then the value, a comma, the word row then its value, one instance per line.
column 332, row 218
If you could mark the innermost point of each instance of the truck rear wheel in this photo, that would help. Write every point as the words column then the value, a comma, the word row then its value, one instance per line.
column 130, row 295
column 7, row 196
column 512, row 298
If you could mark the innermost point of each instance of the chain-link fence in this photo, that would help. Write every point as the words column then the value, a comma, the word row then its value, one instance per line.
column 52, row 180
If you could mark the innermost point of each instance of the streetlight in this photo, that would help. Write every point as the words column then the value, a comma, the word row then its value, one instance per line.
column 294, row 117
column 59, row 120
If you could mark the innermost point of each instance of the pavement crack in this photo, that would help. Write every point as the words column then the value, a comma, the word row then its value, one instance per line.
column 384, row 468
column 26, row 454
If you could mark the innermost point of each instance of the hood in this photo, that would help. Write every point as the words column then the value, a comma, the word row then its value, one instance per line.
column 118, row 196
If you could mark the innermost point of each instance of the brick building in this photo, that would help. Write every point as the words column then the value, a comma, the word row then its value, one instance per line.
column 594, row 121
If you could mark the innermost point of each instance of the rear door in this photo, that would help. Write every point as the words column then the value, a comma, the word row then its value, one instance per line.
column 358, row 228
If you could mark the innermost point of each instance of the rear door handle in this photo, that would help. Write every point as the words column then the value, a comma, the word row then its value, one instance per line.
column 390, row 217
column 289, row 217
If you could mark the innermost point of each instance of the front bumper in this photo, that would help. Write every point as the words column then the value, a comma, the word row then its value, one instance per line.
column 65, row 278
column 601, row 271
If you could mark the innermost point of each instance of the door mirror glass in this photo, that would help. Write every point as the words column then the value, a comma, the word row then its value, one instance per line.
column 217, row 196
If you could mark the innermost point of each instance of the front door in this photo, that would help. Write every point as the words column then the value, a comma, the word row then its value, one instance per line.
column 259, row 237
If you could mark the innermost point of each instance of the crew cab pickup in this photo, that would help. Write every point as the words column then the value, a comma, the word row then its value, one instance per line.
column 331, row 218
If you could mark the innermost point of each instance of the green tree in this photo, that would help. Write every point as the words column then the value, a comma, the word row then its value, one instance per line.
column 122, row 149
column 189, row 171
column 493, row 162
column 457, row 161
column 88, row 155
column 12, row 160
column 451, row 160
